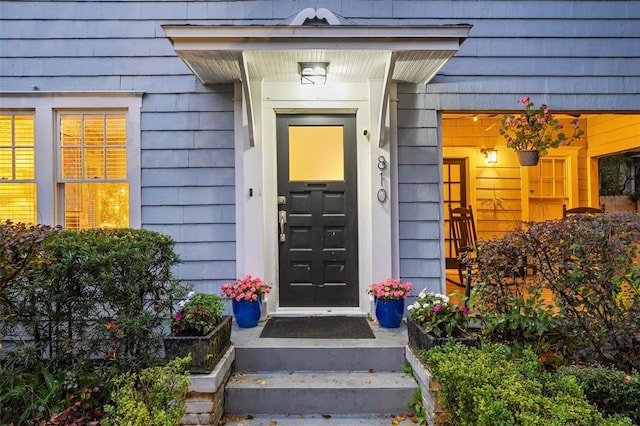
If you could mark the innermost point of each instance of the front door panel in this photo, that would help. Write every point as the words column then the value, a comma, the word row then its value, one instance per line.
column 318, row 211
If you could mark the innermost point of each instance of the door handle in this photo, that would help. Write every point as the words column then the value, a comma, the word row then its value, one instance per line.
column 282, row 219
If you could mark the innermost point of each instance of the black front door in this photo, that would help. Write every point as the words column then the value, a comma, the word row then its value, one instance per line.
column 317, row 210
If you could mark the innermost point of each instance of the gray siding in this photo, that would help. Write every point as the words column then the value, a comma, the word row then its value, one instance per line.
column 572, row 55
column 420, row 190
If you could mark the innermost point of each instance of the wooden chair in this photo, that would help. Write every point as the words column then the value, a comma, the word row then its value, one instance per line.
column 581, row 210
column 464, row 239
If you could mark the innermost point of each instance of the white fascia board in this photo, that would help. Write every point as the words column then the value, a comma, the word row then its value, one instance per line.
column 329, row 37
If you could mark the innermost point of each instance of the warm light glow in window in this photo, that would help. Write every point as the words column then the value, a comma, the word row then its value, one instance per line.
column 93, row 164
column 17, row 168
column 96, row 205
column 316, row 153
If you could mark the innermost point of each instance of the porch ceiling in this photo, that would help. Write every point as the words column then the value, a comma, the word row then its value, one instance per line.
column 218, row 54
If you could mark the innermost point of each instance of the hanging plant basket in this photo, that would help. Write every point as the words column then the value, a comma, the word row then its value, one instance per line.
column 528, row 157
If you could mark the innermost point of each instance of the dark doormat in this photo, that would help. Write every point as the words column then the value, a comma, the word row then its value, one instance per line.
column 329, row 327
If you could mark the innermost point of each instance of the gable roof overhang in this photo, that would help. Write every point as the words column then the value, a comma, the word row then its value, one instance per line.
column 225, row 54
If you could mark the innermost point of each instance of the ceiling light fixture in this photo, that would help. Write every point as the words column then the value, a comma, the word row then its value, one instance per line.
column 313, row 72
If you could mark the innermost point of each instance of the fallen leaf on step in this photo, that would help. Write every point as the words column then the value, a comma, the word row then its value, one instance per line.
column 367, row 382
column 273, row 423
column 262, row 382
column 371, row 370
column 326, row 416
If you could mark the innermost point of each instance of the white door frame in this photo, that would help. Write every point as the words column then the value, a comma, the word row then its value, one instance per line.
column 256, row 182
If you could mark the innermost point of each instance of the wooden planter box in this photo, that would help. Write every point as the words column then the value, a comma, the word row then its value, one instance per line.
column 420, row 340
column 205, row 351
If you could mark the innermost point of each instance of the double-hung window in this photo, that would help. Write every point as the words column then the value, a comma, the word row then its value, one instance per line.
column 70, row 159
column 93, row 169
column 18, row 199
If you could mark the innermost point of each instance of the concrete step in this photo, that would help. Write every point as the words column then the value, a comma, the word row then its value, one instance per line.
column 328, row 393
column 318, row 420
column 322, row 357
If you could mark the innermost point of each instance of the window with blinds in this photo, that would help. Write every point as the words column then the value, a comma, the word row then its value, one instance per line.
column 93, row 170
column 18, row 196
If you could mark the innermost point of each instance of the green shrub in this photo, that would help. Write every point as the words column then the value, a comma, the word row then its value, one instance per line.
column 587, row 263
column 97, row 309
column 489, row 386
column 21, row 254
column 105, row 294
column 154, row 397
column 612, row 391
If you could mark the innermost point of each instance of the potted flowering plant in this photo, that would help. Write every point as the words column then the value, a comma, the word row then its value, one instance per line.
column 199, row 314
column 534, row 131
column 199, row 328
column 246, row 298
column 433, row 320
column 389, row 296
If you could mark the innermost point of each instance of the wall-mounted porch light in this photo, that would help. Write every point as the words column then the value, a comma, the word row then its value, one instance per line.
column 490, row 155
column 313, row 72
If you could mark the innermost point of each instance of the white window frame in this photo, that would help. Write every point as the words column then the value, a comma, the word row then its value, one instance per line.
column 46, row 107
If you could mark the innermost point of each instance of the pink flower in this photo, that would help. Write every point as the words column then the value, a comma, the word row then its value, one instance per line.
column 465, row 309
column 524, row 100
column 178, row 316
column 437, row 308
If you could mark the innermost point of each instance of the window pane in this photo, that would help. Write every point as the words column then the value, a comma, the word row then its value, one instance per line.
column 6, row 133
column 23, row 128
column 71, row 163
column 116, row 163
column 25, row 163
column 70, row 130
column 94, row 163
column 96, row 205
column 93, row 130
column 316, row 153
column 116, row 130
column 6, row 163
column 18, row 202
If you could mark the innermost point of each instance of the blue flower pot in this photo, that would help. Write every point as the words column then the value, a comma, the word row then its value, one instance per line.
column 389, row 312
column 246, row 313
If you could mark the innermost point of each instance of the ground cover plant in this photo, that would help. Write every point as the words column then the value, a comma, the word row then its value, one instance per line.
column 492, row 385
column 611, row 390
column 154, row 396
column 97, row 310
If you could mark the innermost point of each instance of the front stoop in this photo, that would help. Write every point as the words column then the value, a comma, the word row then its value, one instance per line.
column 354, row 379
